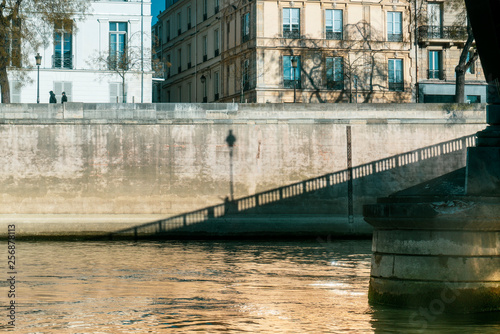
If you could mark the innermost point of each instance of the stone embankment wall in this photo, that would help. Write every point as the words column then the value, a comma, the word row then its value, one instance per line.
column 169, row 159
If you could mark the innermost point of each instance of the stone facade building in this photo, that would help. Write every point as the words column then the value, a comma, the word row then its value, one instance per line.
column 441, row 36
column 78, row 57
column 303, row 51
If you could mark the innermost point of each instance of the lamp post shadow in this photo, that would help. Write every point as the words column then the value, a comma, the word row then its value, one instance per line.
column 230, row 140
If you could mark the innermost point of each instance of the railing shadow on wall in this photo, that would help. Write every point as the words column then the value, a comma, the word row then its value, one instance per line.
column 252, row 204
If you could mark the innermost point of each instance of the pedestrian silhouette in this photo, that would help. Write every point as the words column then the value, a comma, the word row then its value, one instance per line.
column 64, row 98
column 52, row 97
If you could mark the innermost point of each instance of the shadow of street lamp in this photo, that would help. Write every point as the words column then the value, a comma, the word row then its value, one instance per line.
column 230, row 140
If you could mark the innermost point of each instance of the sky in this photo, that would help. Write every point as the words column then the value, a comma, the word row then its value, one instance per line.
column 156, row 7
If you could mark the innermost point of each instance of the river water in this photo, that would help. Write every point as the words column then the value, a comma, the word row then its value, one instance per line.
column 207, row 287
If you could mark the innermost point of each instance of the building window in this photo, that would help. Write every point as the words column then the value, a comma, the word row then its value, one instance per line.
column 435, row 70
column 334, row 23
column 335, row 73
column 179, row 93
column 189, row 55
column 189, row 17
column 228, row 30
column 169, row 64
column 216, row 42
column 117, row 45
column 245, row 27
column 63, row 45
column 63, row 86
column 205, row 91
column 216, row 86
column 167, row 25
column 15, row 92
column 435, row 19
column 116, row 93
column 216, row 6
column 205, row 47
column 394, row 27
column 179, row 28
column 291, row 76
column 245, row 75
column 205, row 9
column 190, row 98
column 13, row 43
column 291, row 22
column 396, row 75
column 472, row 67
column 179, row 60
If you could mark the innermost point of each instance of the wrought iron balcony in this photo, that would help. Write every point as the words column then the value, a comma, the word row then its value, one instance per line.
column 337, row 35
column 62, row 61
column 291, row 34
column 396, row 86
column 290, row 84
column 435, row 74
column 395, row 37
column 335, row 85
column 454, row 33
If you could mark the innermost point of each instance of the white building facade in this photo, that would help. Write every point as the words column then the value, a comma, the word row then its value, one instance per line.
column 77, row 59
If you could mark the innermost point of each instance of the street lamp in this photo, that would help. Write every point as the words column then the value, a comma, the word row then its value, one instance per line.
column 38, row 60
column 203, row 80
column 294, row 67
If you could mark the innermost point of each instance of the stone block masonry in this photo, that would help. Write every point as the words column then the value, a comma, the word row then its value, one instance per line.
column 109, row 166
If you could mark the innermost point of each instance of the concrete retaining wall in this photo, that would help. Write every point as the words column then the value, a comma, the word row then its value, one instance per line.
column 160, row 160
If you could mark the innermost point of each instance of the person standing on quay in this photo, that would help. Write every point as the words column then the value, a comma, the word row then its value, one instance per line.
column 64, row 98
column 52, row 97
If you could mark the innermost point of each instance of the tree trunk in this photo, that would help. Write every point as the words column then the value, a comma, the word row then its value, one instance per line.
column 124, row 97
column 4, row 84
column 460, row 84
column 462, row 67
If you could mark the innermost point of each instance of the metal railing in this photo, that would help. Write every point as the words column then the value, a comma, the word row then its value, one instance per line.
column 435, row 74
column 396, row 86
column 63, row 61
column 291, row 34
column 442, row 32
column 336, row 35
column 395, row 37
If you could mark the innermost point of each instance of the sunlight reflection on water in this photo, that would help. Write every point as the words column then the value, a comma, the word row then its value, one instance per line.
column 183, row 287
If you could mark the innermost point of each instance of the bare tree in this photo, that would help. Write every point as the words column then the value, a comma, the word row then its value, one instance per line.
column 465, row 60
column 25, row 25
column 123, row 62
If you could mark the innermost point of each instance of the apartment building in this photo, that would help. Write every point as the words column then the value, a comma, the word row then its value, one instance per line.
column 102, row 57
column 442, row 32
column 379, row 51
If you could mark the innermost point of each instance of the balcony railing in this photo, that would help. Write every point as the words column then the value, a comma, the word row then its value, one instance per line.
column 335, row 85
column 396, row 86
column 435, row 74
column 394, row 37
column 337, row 35
column 65, row 61
column 291, row 34
column 290, row 84
column 442, row 32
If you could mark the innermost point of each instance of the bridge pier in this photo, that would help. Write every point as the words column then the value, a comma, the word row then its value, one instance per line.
column 436, row 246
column 434, row 255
